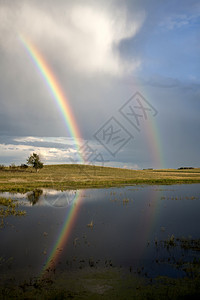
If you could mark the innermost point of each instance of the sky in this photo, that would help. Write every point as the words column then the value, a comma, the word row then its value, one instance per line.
column 129, row 70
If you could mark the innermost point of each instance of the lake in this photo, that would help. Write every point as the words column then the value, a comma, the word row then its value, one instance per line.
column 138, row 229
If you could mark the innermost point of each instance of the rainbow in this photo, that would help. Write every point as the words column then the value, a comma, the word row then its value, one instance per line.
column 55, row 90
column 153, row 141
column 63, row 105
column 150, row 130
column 70, row 218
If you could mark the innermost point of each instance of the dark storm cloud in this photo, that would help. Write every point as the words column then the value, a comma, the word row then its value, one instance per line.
column 15, row 140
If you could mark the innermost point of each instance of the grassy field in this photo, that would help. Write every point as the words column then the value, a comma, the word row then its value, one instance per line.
column 68, row 176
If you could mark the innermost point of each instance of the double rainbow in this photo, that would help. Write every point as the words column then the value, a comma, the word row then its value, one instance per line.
column 64, row 107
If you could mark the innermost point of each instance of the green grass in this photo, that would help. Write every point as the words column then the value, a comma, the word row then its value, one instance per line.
column 70, row 176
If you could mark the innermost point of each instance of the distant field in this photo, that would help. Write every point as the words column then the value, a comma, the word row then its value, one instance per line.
column 67, row 176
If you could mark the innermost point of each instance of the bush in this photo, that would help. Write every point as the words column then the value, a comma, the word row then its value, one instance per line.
column 13, row 166
column 23, row 166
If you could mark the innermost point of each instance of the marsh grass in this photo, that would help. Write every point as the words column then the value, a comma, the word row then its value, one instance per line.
column 103, row 284
column 187, row 257
column 182, row 242
column 71, row 176
column 91, row 224
column 9, row 207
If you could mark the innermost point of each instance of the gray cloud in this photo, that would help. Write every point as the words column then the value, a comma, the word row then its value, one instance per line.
column 101, row 53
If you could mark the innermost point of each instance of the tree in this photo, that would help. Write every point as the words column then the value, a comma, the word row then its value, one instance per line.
column 35, row 162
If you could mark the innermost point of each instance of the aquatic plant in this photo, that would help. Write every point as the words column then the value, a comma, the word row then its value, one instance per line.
column 91, row 224
column 125, row 201
column 9, row 207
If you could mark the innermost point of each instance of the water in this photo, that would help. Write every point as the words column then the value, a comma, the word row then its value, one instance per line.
column 115, row 227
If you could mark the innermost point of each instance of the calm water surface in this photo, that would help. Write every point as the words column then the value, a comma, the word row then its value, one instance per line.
column 124, row 227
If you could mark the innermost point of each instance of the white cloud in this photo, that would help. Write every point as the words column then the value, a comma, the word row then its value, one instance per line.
column 28, row 139
column 86, row 38
column 48, row 155
column 95, row 36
